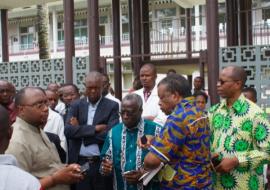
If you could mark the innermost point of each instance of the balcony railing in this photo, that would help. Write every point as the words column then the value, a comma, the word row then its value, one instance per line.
column 163, row 40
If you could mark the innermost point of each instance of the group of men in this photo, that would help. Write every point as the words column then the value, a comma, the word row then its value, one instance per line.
column 225, row 148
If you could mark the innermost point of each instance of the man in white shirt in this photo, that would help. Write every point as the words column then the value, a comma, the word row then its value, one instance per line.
column 67, row 93
column 148, row 93
column 12, row 177
column 55, row 123
column 106, row 87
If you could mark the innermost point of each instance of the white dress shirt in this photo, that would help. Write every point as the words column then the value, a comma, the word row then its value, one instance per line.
column 55, row 125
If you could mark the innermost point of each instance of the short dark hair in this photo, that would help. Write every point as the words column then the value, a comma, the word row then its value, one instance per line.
column 239, row 73
column 199, row 77
column 70, row 84
column 200, row 93
column 106, row 75
column 135, row 97
column 251, row 90
column 19, row 97
column 151, row 66
column 177, row 83
column 171, row 71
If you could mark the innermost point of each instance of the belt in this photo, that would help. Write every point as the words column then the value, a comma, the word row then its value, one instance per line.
column 90, row 159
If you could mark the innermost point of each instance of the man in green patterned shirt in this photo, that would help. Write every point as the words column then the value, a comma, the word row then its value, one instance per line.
column 240, row 135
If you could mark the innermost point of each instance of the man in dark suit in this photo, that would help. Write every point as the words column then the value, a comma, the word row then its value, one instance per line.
column 87, row 124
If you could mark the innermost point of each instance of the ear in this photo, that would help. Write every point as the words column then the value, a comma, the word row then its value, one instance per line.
column 175, row 96
column 239, row 84
column 20, row 110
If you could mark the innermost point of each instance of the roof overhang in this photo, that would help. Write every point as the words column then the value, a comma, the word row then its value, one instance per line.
column 12, row 4
column 189, row 3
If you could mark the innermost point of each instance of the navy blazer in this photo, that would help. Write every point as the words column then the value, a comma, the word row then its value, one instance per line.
column 107, row 113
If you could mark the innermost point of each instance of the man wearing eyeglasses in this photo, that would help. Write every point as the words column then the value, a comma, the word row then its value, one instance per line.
column 31, row 146
column 123, row 157
column 240, row 135
column 12, row 177
column 183, row 144
column 88, row 121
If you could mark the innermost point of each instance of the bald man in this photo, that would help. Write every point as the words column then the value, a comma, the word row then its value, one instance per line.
column 240, row 135
column 12, row 177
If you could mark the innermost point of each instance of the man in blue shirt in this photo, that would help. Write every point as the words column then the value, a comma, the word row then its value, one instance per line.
column 88, row 121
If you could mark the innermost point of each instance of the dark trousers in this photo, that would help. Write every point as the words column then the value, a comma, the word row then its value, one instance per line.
column 93, row 180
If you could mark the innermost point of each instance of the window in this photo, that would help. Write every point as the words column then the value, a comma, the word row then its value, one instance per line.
column 103, row 19
column 80, row 31
column 60, row 33
column 166, row 24
column 125, row 24
column 265, row 13
column 27, row 37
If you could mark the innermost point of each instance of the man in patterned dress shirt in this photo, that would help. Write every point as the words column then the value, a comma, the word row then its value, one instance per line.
column 240, row 135
column 184, row 141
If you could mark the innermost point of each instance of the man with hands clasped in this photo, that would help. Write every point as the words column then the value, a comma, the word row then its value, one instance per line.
column 88, row 121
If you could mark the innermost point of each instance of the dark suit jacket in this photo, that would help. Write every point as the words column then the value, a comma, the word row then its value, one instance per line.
column 56, row 140
column 106, row 113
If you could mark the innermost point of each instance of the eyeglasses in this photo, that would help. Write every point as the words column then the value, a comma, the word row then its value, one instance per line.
column 38, row 105
column 128, row 113
column 221, row 82
column 2, row 91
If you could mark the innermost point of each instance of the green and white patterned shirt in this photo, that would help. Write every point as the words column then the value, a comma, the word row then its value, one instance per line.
column 241, row 131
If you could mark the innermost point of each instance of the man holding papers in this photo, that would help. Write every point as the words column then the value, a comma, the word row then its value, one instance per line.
column 183, row 144
column 122, row 156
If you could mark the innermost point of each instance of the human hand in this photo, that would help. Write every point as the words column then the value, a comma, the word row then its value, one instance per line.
column 149, row 139
column 151, row 118
column 68, row 175
column 101, row 128
column 227, row 164
column 133, row 176
column 106, row 166
column 73, row 121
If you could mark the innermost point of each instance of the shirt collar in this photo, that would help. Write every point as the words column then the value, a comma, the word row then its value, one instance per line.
column 8, row 159
column 96, row 104
column 20, row 122
column 187, row 101
column 136, row 127
column 237, row 105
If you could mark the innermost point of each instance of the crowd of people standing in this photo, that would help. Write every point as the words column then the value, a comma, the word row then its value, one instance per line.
column 58, row 139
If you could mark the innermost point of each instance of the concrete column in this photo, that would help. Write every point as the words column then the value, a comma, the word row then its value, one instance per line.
column 232, row 23
column 197, row 27
column 130, row 30
column 4, row 35
column 212, row 48
column 117, row 48
column 188, row 33
column 55, row 34
column 146, row 31
column 93, row 34
column 245, row 21
column 69, row 38
column 136, row 30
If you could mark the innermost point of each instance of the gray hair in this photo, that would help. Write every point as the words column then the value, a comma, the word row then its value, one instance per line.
column 134, row 97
